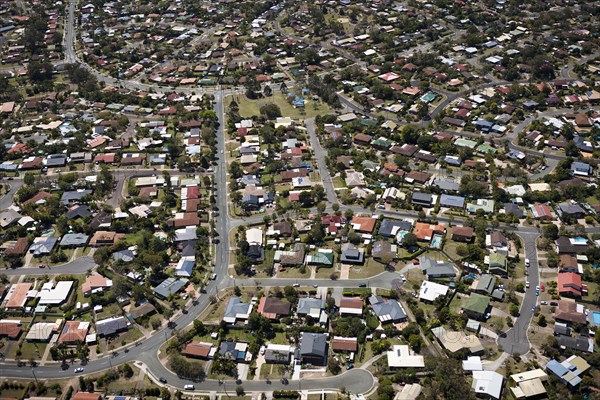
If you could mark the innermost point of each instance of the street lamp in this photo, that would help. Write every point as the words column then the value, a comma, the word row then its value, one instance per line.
column 34, row 377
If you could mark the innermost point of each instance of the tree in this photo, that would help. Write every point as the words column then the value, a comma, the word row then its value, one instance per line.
column 267, row 91
column 542, row 320
column 334, row 365
column 409, row 240
column 550, row 232
column 271, row 111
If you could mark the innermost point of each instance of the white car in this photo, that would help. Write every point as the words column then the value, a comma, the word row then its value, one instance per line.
column 527, row 284
column 537, row 288
column 79, row 370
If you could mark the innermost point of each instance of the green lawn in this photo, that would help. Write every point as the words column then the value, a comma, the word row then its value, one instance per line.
column 249, row 108
column 370, row 268
column 338, row 182
column 294, row 272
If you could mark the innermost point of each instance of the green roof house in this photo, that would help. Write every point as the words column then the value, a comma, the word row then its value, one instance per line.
column 476, row 306
column 497, row 264
column 323, row 257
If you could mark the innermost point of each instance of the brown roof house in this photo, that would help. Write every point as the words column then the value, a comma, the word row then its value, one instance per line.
column 105, row 238
column 74, row 332
column 462, row 234
column 339, row 343
column 199, row 350
column 273, row 308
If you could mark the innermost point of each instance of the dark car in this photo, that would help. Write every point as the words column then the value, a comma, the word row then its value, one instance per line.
column 553, row 303
column 162, row 380
column 362, row 285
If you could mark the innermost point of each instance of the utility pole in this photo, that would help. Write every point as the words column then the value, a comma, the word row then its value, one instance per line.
column 34, row 377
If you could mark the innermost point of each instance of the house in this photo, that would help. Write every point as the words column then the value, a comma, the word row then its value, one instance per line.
column 273, row 308
column 200, row 350
column 42, row 246
column 580, row 343
column 530, row 384
column 95, row 283
column 16, row 296
column 455, row 341
column 430, row 291
column 384, row 251
column 74, row 196
column 236, row 310
column 389, row 227
column 351, row 254
column 485, row 284
column 105, row 238
column 463, row 234
column 344, row 344
column 278, row 354
column 487, row 384
column 310, row 306
column 170, row 287
column 422, row 199
column 313, row 348
column 402, row 357
column 541, row 212
column 425, row 232
column 387, row 310
column 481, row 204
column 54, row 294
column 142, row 311
column 185, row 266
column 43, row 331
column 581, row 169
column 476, row 306
column 86, row 396
column 497, row 264
column 236, row 351
column 568, row 263
column 569, row 371
column 569, row 210
column 364, row 224
column 112, row 326
column 74, row 332
column 78, row 211
column 569, row 285
column 437, row 269
column 569, row 311
column 457, row 202
column 351, row 306
column 15, row 247
column 322, row 257
column 566, row 245
column 10, row 328
column 497, row 242
column 74, row 240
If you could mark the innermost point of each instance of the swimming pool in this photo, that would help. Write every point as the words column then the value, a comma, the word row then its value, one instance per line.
column 596, row 318
column 49, row 232
column 436, row 242
column 472, row 276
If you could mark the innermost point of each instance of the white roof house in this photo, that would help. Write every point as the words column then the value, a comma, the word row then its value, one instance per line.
column 254, row 236
column 431, row 290
column 488, row 383
column 54, row 295
column 402, row 357
column 472, row 363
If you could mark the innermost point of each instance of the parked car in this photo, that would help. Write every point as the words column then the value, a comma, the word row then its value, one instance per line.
column 554, row 303
column 544, row 303
column 162, row 380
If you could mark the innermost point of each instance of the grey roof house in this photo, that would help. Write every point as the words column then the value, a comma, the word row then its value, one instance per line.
column 236, row 310
column 110, row 326
column 74, row 196
column 42, row 246
column 74, row 240
column 390, row 227
column 170, row 286
column 313, row 348
column 387, row 311
column 434, row 269
column 352, row 255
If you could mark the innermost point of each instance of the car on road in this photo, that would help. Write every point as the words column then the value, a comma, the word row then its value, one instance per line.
column 533, row 309
column 527, row 262
column 296, row 284
column 213, row 277
column 526, row 284
column 315, row 285
column 403, row 277
column 362, row 285
column 537, row 288
column 188, row 387
column 79, row 370
column 162, row 380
